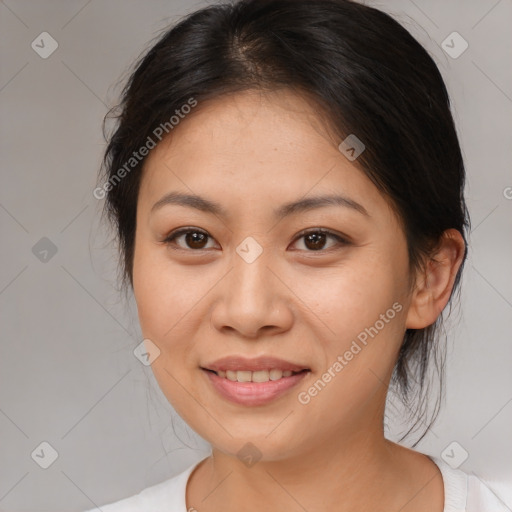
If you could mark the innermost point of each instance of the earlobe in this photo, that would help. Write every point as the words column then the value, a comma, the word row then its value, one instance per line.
column 434, row 283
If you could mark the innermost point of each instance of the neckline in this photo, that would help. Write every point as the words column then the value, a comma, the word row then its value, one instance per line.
column 184, row 478
column 455, row 483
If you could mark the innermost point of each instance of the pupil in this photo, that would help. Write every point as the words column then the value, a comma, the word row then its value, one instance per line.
column 318, row 240
column 195, row 239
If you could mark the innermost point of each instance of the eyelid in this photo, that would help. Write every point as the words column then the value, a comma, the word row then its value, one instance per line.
column 341, row 239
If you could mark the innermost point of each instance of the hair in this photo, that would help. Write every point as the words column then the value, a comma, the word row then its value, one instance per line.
column 366, row 74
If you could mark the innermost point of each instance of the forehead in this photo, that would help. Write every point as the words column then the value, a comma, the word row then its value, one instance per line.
column 254, row 147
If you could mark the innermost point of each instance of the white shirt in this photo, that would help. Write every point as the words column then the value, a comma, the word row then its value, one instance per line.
column 462, row 493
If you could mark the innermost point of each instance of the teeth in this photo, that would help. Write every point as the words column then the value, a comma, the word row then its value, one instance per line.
column 243, row 376
column 275, row 374
column 259, row 376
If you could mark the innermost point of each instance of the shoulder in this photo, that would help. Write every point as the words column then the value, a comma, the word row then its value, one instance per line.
column 468, row 493
column 483, row 495
column 167, row 495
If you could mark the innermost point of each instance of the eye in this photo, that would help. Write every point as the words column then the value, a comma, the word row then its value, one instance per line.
column 193, row 238
column 197, row 239
column 315, row 239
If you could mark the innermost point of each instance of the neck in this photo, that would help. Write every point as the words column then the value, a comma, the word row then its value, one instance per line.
column 361, row 471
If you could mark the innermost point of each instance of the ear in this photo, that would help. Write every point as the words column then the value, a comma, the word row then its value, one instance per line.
column 434, row 283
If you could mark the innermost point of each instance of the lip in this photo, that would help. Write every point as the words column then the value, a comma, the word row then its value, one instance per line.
column 253, row 393
column 259, row 363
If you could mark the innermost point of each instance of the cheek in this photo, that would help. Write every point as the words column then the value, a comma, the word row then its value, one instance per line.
column 352, row 297
column 168, row 298
column 359, row 317
column 153, row 295
column 341, row 301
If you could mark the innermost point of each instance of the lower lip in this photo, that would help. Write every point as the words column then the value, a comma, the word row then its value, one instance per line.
column 253, row 393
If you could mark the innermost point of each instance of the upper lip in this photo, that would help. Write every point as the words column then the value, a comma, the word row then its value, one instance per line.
column 259, row 363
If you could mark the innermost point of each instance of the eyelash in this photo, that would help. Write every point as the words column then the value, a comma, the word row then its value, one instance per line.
column 169, row 240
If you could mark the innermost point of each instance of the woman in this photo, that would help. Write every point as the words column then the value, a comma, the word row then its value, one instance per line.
column 287, row 188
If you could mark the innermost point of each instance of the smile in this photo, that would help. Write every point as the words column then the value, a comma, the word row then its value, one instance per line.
column 253, row 381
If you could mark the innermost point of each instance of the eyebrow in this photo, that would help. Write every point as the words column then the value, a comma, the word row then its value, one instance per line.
column 285, row 210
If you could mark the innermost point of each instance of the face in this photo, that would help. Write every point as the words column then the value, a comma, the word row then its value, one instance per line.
column 322, row 286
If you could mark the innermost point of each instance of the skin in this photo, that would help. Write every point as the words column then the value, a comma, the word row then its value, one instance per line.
column 252, row 152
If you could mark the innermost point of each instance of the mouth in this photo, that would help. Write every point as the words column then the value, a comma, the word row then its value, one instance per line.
column 253, row 382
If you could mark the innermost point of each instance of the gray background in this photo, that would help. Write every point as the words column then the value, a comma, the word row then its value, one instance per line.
column 68, row 373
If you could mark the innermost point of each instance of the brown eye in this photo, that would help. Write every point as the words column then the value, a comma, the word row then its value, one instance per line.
column 193, row 238
column 196, row 239
column 315, row 240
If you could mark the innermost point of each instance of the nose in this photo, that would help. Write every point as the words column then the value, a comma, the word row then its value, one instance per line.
column 252, row 301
